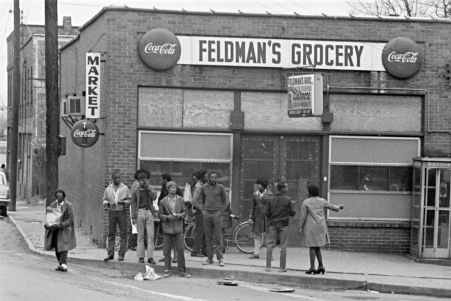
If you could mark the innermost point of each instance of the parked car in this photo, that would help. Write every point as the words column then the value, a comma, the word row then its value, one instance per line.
column 4, row 194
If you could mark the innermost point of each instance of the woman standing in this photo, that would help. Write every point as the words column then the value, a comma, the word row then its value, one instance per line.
column 257, row 216
column 313, row 227
column 61, row 235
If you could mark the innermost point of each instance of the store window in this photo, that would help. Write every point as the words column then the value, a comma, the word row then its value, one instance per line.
column 182, row 154
column 372, row 176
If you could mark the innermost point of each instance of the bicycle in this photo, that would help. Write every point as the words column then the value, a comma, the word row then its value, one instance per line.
column 242, row 236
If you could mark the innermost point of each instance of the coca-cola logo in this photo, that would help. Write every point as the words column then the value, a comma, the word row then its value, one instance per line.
column 159, row 49
column 402, row 57
column 85, row 133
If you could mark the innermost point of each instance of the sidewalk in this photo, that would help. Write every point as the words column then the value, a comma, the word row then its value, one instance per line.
column 345, row 270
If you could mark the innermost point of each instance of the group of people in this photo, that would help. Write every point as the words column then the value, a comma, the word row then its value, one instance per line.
column 270, row 213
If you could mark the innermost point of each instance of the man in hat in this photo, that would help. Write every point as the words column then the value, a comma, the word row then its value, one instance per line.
column 133, row 240
column 172, row 213
column 165, row 178
column 143, row 217
column 61, row 235
column 116, row 197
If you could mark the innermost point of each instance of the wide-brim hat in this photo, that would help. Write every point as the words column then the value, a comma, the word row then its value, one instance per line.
column 60, row 190
column 140, row 171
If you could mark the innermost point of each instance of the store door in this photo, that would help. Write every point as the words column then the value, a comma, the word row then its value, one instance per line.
column 295, row 159
column 436, row 222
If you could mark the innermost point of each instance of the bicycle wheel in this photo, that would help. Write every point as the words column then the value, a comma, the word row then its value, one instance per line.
column 244, row 238
column 189, row 236
column 158, row 237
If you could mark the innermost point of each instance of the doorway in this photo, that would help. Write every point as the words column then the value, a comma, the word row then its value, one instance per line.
column 294, row 159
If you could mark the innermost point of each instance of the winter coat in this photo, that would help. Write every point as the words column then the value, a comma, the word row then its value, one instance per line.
column 172, row 226
column 257, row 214
column 66, row 235
column 313, row 222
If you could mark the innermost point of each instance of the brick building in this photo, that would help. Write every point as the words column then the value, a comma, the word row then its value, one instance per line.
column 223, row 107
column 32, row 108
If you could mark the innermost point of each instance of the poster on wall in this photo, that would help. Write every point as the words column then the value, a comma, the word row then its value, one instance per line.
column 301, row 99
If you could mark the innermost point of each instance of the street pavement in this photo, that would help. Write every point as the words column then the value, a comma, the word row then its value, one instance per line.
column 374, row 272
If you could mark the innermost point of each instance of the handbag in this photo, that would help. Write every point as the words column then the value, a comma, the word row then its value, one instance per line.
column 53, row 216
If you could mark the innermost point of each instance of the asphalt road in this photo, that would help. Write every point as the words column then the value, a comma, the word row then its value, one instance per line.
column 27, row 276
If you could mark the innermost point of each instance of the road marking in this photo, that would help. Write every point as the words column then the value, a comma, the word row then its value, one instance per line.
column 156, row 293
column 262, row 289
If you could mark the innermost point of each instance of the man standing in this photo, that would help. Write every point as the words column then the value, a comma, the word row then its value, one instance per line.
column 172, row 213
column 116, row 197
column 165, row 178
column 278, row 210
column 133, row 241
column 257, row 216
column 199, row 248
column 213, row 202
column 143, row 216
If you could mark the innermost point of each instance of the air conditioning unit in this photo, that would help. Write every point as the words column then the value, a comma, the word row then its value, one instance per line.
column 63, row 107
column 76, row 105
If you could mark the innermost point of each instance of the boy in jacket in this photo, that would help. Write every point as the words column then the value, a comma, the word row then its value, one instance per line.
column 278, row 210
column 172, row 214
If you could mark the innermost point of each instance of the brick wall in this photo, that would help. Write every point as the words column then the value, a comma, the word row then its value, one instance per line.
column 381, row 237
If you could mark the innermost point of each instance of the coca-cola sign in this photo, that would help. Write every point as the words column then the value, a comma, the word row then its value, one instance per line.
column 159, row 49
column 85, row 133
column 402, row 57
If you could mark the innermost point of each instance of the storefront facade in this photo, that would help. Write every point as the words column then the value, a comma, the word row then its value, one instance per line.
column 222, row 105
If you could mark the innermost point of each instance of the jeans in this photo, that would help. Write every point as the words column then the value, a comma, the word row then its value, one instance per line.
column 199, row 234
column 117, row 218
column 168, row 241
column 145, row 221
column 60, row 256
column 274, row 234
column 213, row 233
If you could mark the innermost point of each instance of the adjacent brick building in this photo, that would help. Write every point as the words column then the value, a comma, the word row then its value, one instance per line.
column 358, row 145
column 32, row 108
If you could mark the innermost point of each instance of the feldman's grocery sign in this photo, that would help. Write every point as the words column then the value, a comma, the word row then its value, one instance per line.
column 276, row 53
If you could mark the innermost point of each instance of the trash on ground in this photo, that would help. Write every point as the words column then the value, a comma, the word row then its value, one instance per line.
column 282, row 290
column 150, row 274
column 373, row 292
column 228, row 283
column 139, row 277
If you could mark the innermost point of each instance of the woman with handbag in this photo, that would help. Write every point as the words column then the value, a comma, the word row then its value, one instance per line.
column 59, row 229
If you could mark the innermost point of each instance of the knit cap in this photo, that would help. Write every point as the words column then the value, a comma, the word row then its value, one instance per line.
column 170, row 183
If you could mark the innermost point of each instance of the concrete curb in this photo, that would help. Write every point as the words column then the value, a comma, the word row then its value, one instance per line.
column 24, row 235
column 320, row 282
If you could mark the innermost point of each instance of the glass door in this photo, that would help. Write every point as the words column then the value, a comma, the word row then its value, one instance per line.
column 436, row 223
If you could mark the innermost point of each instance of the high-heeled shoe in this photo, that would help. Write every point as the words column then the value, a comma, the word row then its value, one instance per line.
column 320, row 270
column 311, row 271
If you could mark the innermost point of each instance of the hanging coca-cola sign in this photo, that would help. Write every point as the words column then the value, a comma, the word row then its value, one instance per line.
column 159, row 49
column 402, row 57
column 85, row 133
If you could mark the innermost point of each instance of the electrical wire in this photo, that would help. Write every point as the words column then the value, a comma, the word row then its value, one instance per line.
column 267, row 7
column 4, row 35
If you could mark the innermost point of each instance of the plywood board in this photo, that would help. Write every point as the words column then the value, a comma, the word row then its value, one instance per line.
column 207, row 109
column 268, row 112
column 376, row 113
column 160, row 107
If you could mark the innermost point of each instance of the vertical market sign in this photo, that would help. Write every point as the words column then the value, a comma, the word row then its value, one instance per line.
column 92, row 85
column 301, row 99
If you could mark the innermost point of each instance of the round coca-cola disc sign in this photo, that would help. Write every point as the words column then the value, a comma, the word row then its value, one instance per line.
column 159, row 49
column 402, row 57
column 85, row 133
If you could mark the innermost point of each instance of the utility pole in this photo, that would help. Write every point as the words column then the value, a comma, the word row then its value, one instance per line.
column 15, row 114
column 52, row 97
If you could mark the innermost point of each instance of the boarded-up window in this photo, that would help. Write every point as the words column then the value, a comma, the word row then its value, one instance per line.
column 376, row 113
